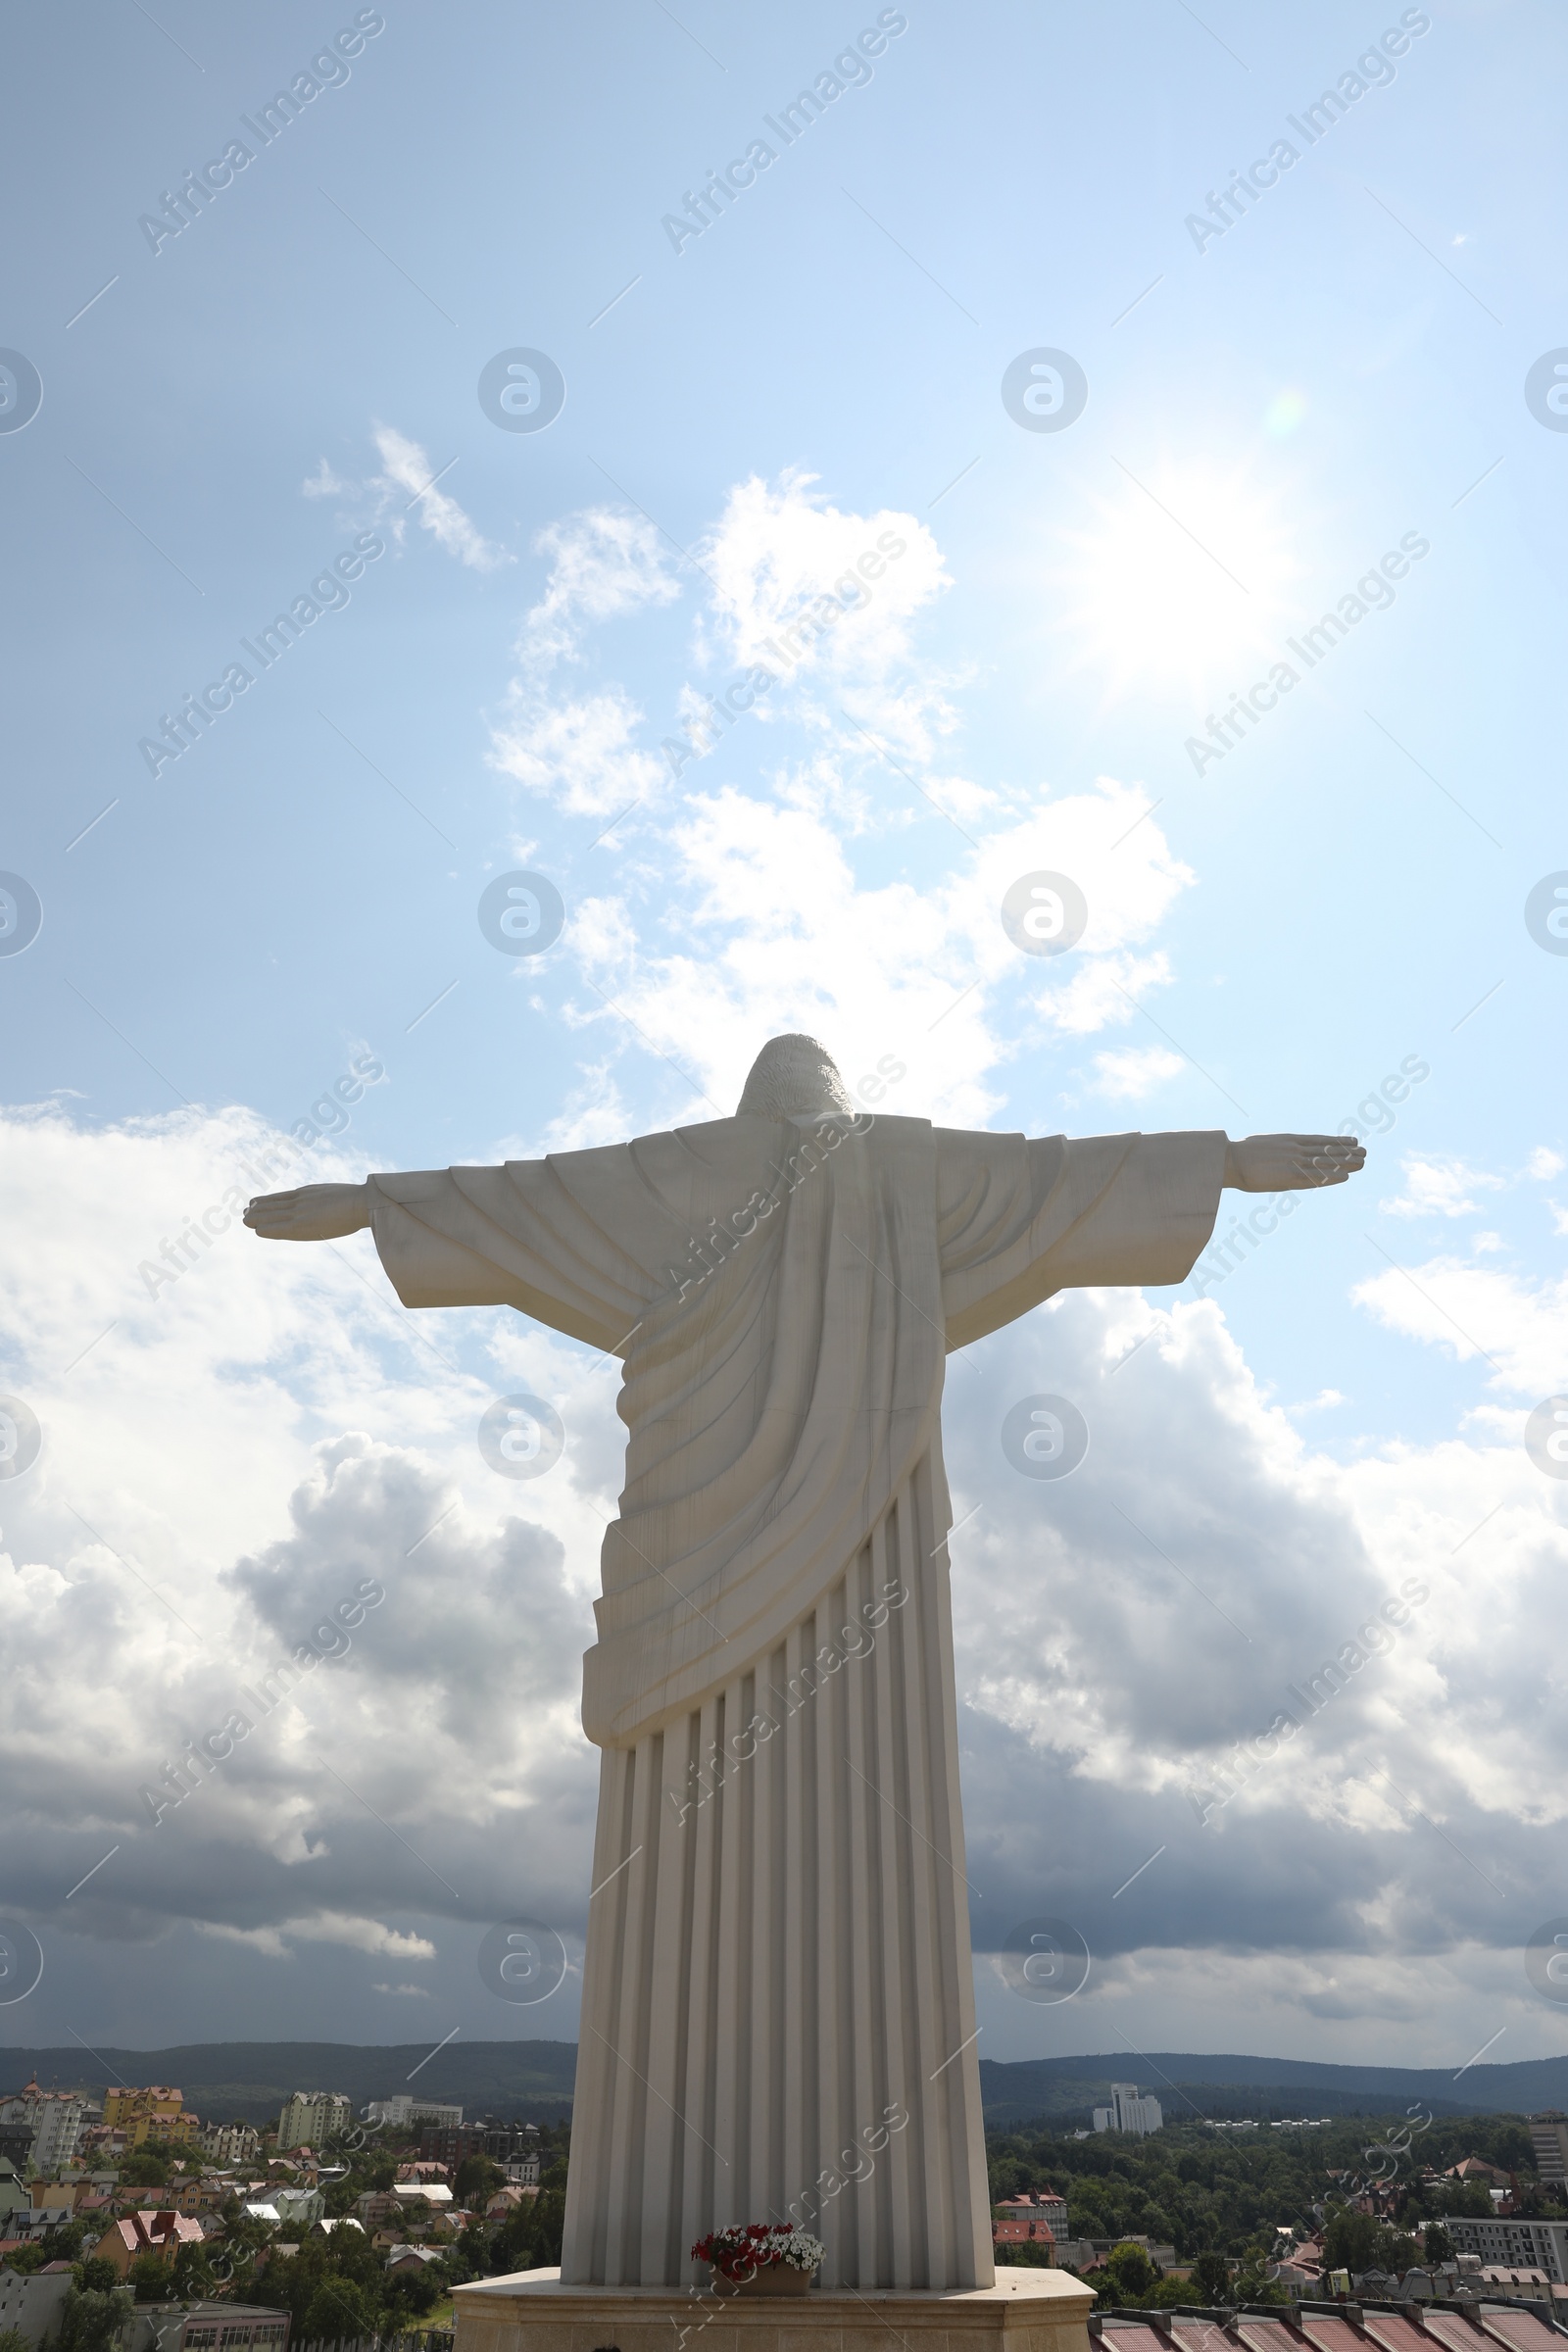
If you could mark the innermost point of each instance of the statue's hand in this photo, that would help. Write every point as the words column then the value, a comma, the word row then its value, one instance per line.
column 1292, row 1164
column 313, row 1212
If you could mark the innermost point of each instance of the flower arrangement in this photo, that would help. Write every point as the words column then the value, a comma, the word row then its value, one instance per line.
column 740, row 2252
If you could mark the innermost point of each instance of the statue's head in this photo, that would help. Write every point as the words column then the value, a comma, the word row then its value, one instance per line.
column 794, row 1077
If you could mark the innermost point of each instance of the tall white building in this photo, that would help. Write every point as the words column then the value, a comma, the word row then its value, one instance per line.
column 311, row 2118
column 1549, row 2137
column 57, row 2119
column 1517, row 2243
column 1128, row 2112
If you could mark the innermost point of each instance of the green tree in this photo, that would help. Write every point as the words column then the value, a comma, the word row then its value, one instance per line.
column 1438, row 2245
column 476, row 2179
column 144, row 2168
column 1212, row 2280
column 338, row 2307
column 413, row 2295
column 1128, row 2276
column 92, row 2321
column 11, row 2340
column 1027, row 2253
column 95, row 2276
column 152, row 2279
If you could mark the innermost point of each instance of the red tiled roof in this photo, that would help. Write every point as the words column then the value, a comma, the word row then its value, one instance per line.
column 1390, row 2331
column 1520, row 2330
column 1455, row 2329
column 1201, row 2335
column 1326, row 2334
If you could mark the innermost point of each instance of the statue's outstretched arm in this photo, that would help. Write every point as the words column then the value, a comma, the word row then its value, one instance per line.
column 1284, row 1163
column 313, row 1212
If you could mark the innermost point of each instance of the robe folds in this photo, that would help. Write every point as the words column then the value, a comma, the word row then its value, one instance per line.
column 778, row 2012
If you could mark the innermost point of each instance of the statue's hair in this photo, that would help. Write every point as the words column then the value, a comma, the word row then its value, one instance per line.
column 794, row 1077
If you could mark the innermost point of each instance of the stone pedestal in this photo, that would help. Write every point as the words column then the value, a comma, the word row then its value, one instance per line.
column 531, row 2311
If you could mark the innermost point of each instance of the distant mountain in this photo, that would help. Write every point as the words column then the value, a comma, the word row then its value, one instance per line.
column 249, row 2081
column 533, row 2080
column 1063, row 2091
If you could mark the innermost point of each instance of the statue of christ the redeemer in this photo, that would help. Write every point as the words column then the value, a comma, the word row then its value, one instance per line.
column 778, row 2006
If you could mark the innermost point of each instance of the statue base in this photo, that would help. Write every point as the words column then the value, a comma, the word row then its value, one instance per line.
column 530, row 2311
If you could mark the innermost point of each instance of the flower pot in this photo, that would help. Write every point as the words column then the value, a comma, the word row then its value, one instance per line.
column 769, row 2279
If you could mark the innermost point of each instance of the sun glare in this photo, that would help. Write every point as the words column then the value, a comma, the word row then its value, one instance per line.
column 1180, row 584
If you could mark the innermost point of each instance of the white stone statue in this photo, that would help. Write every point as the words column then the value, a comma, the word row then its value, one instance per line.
column 779, row 2007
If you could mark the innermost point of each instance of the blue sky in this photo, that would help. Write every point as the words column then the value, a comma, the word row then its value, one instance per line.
column 1271, row 411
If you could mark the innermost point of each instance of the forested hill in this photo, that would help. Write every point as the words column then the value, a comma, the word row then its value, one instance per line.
column 533, row 2080
column 1223, row 2089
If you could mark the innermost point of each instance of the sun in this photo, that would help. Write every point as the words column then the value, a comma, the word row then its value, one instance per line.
column 1180, row 582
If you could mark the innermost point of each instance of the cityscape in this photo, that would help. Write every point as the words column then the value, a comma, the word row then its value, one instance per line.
column 126, row 2217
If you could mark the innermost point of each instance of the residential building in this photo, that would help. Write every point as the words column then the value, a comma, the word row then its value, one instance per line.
column 231, row 2143
column 522, row 2171
column 1075, row 2253
column 311, row 2118
column 297, row 2208
column 1478, row 2173
column 1013, row 2232
column 1045, row 2205
column 161, row 2234
column 376, row 2206
column 14, row 2197
column 1128, row 2112
column 508, row 2201
column 55, row 2194
column 52, row 2120
column 404, row 2111
column 1512, row 2243
column 1549, row 2137
column 206, row 2326
column 30, row 2302
column 434, row 2193
column 1514, row 2285
column 408, row 2258
column 155, row 2112
column 502, row 2143
column 1164, row 2256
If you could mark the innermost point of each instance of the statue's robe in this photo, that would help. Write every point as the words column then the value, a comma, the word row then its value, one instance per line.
column 778, row 2006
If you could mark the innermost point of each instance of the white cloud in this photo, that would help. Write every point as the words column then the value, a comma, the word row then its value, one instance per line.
column 324, row 483
column 285, row 1436
column 794, row 590
column 391, row 496
column 406, row 471
column 272, row 1409
column 1439, row 1188
column 1544, row 1164
column 581, row 753
column 1127, row 1073
column 359, row 1935
column 580, row 750
column 1519, row 1326
column 604, row 565
column 778, row 933
column 418, row 1992
column 327, row 1927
